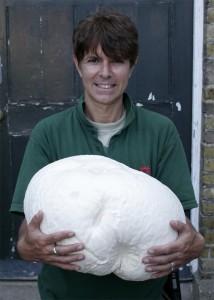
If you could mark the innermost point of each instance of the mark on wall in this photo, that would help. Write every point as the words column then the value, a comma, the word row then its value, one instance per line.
column 178, row 105
column 151, row 97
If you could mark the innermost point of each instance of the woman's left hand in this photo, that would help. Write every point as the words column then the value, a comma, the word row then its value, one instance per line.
column 162, row 260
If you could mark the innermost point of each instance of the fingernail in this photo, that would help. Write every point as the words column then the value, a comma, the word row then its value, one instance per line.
column 71, row 234
column 151, row 252
column 145, row 261
column 39, row 213
column 80, row 247
column 80, row 257
column 77, row 268
column 148, row 269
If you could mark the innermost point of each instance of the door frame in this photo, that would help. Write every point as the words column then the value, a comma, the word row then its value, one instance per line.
column 197, row 96
column 196, row 107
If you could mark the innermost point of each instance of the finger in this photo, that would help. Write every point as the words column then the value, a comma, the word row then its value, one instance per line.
column 166, row 268
column 160, row 274
column 178, row 226
column 66, row 250
column 64, row 262
column 46, row 255
column 69, row 267
column 44, row 243
column 159, row 260
column 48, row 238
column 178, row 259
column 178, row 246
column 54, row 238
column 163, row 250
column 175, row 246
column 36, row 221
column 68, row 259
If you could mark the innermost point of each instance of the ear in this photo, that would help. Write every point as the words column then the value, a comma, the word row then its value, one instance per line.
column 132, row 68
column 77, row 65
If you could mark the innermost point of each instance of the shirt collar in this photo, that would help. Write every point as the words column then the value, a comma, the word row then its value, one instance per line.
column 127, row 104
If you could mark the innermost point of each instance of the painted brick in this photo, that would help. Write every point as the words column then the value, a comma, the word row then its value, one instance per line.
column 210, row 3
column 208, row 137
column 208, row 193
column 208, row 152
column 209, row 237
column 209, row 71
column 209, row 48
column 209, row 92
column 208, row 106
column 209, row 122
column 208, row 165
column 208, row 178
column 205, row 253
column 206, row 222
column 209, row 29
column 206, row 261
column 207, row 207
column 210, row 15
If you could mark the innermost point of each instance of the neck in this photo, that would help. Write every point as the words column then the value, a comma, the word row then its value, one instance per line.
column 104, row 113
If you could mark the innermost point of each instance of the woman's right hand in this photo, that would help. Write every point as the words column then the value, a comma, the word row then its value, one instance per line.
column 36, row 246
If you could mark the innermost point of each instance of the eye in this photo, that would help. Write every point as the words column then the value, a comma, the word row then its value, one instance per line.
column 118, row 61
column 93, row 59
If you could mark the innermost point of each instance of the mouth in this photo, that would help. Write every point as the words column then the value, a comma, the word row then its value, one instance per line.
column 105, row 86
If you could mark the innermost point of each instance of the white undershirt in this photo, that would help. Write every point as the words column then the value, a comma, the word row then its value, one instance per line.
column 105, row 131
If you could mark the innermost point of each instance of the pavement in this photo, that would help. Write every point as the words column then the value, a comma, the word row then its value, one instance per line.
column 197, row 289
column 205, row 289
column 19, row 290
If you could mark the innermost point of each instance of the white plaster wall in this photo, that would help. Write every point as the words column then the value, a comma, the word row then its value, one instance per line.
column 197, row 108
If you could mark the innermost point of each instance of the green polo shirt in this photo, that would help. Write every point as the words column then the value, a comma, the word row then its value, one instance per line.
column 148, row 142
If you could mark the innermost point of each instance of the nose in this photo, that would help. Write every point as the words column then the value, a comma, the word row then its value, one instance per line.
column 105, row 69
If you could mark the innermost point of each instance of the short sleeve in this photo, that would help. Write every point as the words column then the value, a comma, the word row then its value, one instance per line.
column 173, row 170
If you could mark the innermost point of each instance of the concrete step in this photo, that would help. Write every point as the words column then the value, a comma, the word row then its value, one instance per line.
column 27, row 290
column 198, row 289
column 19, row 290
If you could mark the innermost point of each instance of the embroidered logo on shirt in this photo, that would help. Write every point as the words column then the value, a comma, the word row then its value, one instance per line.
column 145, row 169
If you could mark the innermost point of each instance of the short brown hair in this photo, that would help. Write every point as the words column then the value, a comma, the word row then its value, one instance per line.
column 115, row 32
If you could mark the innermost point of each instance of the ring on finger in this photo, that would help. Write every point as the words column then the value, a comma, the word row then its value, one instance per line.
column 172, row 266
column 54, row 252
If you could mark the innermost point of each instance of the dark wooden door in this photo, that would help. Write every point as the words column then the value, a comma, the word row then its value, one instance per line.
column 39, row 79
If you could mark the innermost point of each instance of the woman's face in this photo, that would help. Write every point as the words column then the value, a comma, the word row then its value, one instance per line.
column 104, row 79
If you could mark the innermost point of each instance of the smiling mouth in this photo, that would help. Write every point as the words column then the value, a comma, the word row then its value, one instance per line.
column 105, row 86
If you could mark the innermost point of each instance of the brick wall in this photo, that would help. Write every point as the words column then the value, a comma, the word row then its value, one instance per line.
column 207, row 166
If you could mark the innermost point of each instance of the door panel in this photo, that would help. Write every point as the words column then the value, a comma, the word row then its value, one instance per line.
column 39, row 78
column 40, row 48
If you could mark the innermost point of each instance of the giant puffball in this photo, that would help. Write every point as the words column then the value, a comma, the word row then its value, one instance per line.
column 117, row 212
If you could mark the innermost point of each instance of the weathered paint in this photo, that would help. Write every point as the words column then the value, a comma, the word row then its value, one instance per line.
column 197, row 108
column 151, row 97
column 178, row 105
